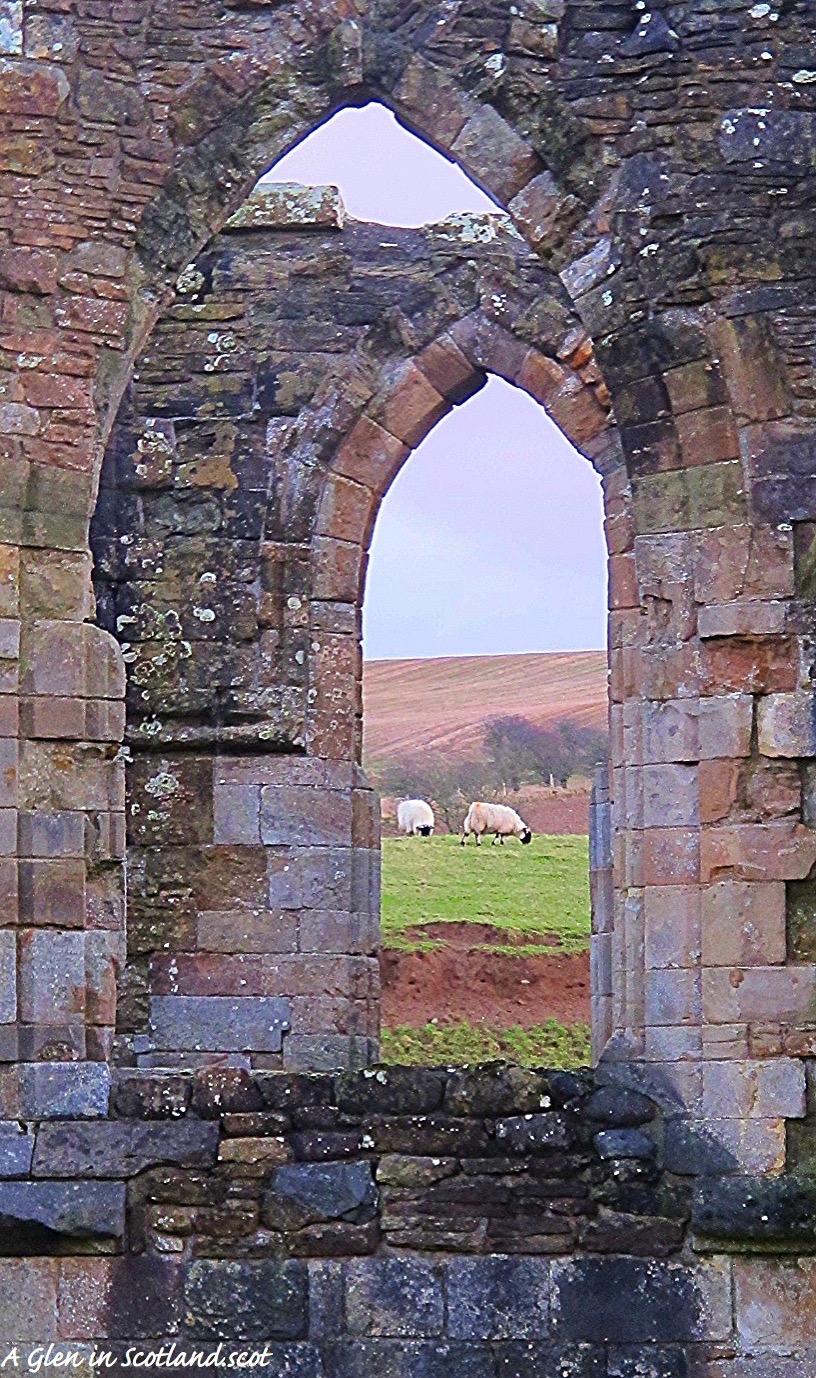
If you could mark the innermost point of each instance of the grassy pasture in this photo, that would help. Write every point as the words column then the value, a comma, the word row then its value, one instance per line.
column 545, row 1045
column 541, row 888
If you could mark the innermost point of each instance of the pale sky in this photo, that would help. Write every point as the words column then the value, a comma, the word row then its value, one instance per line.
column 490, row 540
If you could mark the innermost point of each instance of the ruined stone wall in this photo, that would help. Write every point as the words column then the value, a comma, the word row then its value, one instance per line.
column 660, row 163
column 485, row 1221
column 230, row 540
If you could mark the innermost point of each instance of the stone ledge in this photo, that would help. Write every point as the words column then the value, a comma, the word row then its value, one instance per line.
column 289, row 206
column 754, row 1215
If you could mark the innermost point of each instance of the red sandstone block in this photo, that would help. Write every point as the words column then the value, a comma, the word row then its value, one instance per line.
column 8, row 772
column 719, row 783
column 750, row 665
column 301, row 816
column 437, row 102
column 537, row 209
column 781, row 850
column 668, row 672
column 670, row 731
column 28, row 1298
column 248, row 930
column 236, row 814
column 346, row 511
column 409, row 407
column 104, row 959
column 775, row 1306
column 623, row 583
column 672, row 926
column 672, row 1043
column 370, row 455
column 755, row 1090
column 492, row 152
column 201, row 973
column 52, row 893
column 449, row 371
column 742, row 617
column 707, row 436
column 739, row 995
column 757, row 1146
column 541, row 376
column 672, row 998
column 52, row 659
column 54, row 834
column 786, row 725
column 743, row 561
column 489, row 346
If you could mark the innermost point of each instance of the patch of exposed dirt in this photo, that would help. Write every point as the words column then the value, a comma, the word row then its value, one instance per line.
column 453, row 983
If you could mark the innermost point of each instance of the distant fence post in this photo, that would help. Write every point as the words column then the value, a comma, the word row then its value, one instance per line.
column 602, row 900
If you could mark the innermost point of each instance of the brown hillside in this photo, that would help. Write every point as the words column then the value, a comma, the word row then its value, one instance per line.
column 414, row 705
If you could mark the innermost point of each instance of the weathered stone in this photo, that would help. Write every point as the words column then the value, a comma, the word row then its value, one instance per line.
column 260, row 1300
column 304, row 1193
column 498, row 1298
column 16, row 1149
column 624, row 1143
column 398, row 1298
column 534, row 1133
column 32, row 1211
column 121, row 1148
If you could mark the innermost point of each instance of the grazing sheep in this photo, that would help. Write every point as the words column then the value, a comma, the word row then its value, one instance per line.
column 415, row 817
column 498, row 819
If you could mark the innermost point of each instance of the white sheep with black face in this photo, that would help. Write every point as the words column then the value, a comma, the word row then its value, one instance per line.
column 498, row 819
column 415, row 818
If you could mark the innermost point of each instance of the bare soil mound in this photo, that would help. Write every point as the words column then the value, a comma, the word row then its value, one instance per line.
column 454, row 983
column 466, row 936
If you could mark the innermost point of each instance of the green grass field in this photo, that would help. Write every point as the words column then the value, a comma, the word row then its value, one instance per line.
column 541, row 888
column 545, row 1045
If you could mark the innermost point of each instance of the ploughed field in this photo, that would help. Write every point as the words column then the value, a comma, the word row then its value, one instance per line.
column 485, row 950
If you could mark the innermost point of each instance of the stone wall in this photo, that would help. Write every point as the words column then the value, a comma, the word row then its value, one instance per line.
column 231, row 570
column 485, row 1221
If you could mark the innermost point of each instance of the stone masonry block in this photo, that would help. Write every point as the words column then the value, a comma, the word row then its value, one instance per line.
column 52, row 976
column 669, row 796
column 8, row 976
column 398, row 1298
column 775, row 1303
column 59, row 1090
column 672, row 926
column 741, row 618
column 410, row 406
column 253, row 930
column 743, row 924
column 787, row 725
column 121, row 1148
column 725, row 724
column 218, row 1023
column 498, row 1298
column 635, row 1301
column 16, row 1149
column 303, row 816
column 52, row 892
column 88, row 1210
column 758, row 994
column 236, row 814
column 28, row 1299
column 258, row 1299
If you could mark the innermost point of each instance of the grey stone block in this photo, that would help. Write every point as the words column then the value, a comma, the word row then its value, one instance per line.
column 216, row 1023
column 534, row 1133
column 84, row 1209
column 395, row 1298
column 526, row 1359
column 305, row 1193
column 498, row 1298
column 302, row 816
column 16, row 1149
column 619, row 1108
column 248, row 1300
column 623, row 1301
column 8, row 976
column 28, row 1299
column 413, row 1359
column 121, row 1148
column 624, row 1143
column 57, row 1090
column 328, row 1052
